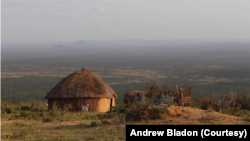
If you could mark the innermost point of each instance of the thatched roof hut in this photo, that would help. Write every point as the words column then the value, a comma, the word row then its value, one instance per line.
column 81, row 88
column 130, row 97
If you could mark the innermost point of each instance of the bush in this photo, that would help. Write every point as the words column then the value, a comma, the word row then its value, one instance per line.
column 10, row 110
column 110, row 115
column 93, row 123
column 120, row 113
column 195, row 105
column 186, row 104
column 116, row 112
column 62, row 116
column 242, row 113
column 119, row 109
column 236, row 112
column 139, row 110
column 100, row 116
column 47, row 119
column 204, row 107
column 53, row 113
column 25, row 108
column 210, row 109
column 135, row 109
column 34, row 116
column 30, row 115
column 105, row 122
column 160, row 110
column 24, row 113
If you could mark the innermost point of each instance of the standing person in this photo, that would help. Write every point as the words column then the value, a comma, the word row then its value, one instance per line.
column 138, row 97
column 138, row 94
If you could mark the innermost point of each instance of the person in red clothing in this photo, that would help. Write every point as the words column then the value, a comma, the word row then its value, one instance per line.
column 138, row 94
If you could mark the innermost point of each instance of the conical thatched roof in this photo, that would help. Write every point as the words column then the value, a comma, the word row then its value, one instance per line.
column 81, row 84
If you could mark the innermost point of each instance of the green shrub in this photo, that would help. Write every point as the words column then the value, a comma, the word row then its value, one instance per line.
column 100, row 116
column 62, row 116
column 36, row 110
column 236, row 112
column 195, row 105
column 110, row 115
column 93, row 117
column 119, row 109
column 30, row 115
column 34, row 116
column 160, row 110
column 89, row 116
column 242, row 113
column 42, row 114
column 210, row 109
column 10, row 110
column 204, row 107
column 25, row 108
column 24, row 113
column 105, row 122
column 53, row 113
column 48, row 119
column 135, row 109
column 115, row 112
column 93, row 123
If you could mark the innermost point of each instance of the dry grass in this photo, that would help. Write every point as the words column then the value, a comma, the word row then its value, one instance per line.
column 75, row 129
column 91, row 126
column 186, row 115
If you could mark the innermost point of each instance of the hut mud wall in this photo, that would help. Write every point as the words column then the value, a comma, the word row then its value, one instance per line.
column 104, row 104
column 95, row 104
column 113, row 102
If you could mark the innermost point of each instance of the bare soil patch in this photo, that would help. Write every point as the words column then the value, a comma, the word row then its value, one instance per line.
column 186, row 115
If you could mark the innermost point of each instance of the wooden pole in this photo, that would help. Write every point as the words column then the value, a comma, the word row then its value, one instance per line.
column 177, row 91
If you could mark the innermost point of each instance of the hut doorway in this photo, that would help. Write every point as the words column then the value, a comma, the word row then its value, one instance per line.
column 111, row 101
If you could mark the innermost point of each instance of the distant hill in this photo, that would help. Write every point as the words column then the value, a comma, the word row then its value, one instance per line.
column 76, row 44
column 231, row 43
column 81, row 42
column 59, row 46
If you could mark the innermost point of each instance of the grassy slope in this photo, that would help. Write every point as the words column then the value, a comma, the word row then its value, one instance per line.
column 77, row 126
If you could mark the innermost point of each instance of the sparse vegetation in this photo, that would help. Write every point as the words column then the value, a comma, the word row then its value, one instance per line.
column 21, row 86
column 110, row 125
column 93, row 123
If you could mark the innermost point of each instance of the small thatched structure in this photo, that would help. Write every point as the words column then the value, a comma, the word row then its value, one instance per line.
column 130, row 97
column 81, row 88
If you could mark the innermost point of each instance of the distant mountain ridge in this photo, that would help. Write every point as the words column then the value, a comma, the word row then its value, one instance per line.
column 149, row 47
column 80, row 42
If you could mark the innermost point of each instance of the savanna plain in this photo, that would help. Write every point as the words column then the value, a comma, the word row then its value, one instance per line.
column 26, row 79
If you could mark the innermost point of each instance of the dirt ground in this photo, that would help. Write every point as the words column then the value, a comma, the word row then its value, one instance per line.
column 178, row 115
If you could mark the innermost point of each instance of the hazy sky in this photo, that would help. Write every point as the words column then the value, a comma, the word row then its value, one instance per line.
column 31, row 21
